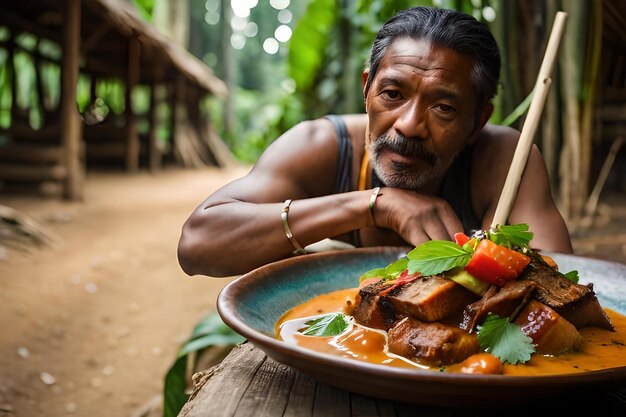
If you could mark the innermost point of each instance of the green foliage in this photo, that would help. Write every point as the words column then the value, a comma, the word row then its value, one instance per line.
column 210, row 331
column 260, row 120
column 112, row 92
column 309, row 40
column 145, row 8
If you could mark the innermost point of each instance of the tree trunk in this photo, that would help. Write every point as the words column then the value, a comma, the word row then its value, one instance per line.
column 228, row 69
column 171, row 17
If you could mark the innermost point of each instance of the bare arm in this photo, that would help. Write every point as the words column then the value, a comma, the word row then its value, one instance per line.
column 239, row 228
column 534, row 204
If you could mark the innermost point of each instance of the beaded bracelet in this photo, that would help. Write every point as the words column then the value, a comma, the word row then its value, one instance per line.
column 283, row 215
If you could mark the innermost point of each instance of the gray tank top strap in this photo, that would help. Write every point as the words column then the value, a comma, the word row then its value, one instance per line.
column 343, row 177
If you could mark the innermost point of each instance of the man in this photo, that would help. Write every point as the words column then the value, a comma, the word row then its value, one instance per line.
column 424, row 141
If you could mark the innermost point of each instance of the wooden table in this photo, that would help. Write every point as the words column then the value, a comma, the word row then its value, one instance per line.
column 248, row 383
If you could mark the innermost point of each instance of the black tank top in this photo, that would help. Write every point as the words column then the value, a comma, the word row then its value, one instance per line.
column 456, row 188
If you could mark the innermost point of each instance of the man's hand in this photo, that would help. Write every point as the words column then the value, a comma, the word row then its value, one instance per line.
column 417, row 218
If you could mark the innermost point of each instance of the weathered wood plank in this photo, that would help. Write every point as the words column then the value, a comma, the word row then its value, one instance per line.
column 300, row 399
column 385, row 408
column 268, row 393
column 362, row 406
column 221, row 393
column 331, row 402
column 411, row 410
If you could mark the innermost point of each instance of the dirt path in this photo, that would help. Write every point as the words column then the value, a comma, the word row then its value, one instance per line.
column 90, row 327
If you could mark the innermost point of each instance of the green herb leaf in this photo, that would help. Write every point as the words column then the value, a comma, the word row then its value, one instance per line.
column 511, row 236
column 328, row 325
column 437, row 256
column 373, row 273
column 505, row 340
column 390, row 272
column 572, row 276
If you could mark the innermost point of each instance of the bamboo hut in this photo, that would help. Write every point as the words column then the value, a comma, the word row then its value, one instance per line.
column 103, row 40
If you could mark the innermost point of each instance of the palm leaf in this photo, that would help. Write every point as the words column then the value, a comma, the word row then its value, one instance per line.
column 208, row 333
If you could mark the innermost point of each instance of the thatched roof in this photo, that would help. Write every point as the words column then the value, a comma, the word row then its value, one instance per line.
column 106, row 26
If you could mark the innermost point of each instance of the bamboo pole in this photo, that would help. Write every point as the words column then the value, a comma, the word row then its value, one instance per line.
column 542, row 87
column 590, row 87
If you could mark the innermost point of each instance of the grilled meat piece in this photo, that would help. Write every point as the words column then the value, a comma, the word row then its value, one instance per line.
column 576, row 303
column 430, row 298
column 551, row 333
column 371, row 308
column 431, row 343
column 503, row 302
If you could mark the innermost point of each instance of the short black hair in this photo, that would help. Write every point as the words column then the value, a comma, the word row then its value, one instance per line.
column 457, row 31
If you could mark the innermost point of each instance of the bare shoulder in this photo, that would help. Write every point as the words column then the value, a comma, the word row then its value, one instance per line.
column 304, row 156
column 494, row 149
column 497, row 138
column 492, row 156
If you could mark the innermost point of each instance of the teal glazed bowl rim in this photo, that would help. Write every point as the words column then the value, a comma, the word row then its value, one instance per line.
column 253, row 303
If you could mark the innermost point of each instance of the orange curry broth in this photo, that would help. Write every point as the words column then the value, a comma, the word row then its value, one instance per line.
column 601, row 349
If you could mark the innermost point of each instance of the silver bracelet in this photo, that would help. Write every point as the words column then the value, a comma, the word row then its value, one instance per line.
column 373, row 197
column 283, row 215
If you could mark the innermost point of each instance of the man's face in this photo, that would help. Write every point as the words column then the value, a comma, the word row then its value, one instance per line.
column 422, row 112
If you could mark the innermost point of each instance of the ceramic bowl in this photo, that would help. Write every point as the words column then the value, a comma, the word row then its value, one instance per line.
column 252, row 304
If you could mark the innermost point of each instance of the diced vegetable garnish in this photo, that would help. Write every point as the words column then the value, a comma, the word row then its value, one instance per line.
column 464, row 278
column 496, row 264
column 461, row 238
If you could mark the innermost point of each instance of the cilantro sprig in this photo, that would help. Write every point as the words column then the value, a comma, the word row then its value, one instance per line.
column 498, row 336
column 327, row 325
column 512, row 236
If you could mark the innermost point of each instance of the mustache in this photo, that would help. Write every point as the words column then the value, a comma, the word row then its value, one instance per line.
column 399, row 144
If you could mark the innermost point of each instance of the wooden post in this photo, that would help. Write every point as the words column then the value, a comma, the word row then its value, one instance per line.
column 154, row 154
column 70, row 119
column 13, row 76
column 132, row 78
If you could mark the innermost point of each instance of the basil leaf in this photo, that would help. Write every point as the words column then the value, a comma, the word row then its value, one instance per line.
column 393, row 270
column 373, row 273
column 437, row 256
column 572, row 276
column 328, row 325
column 390, row 272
